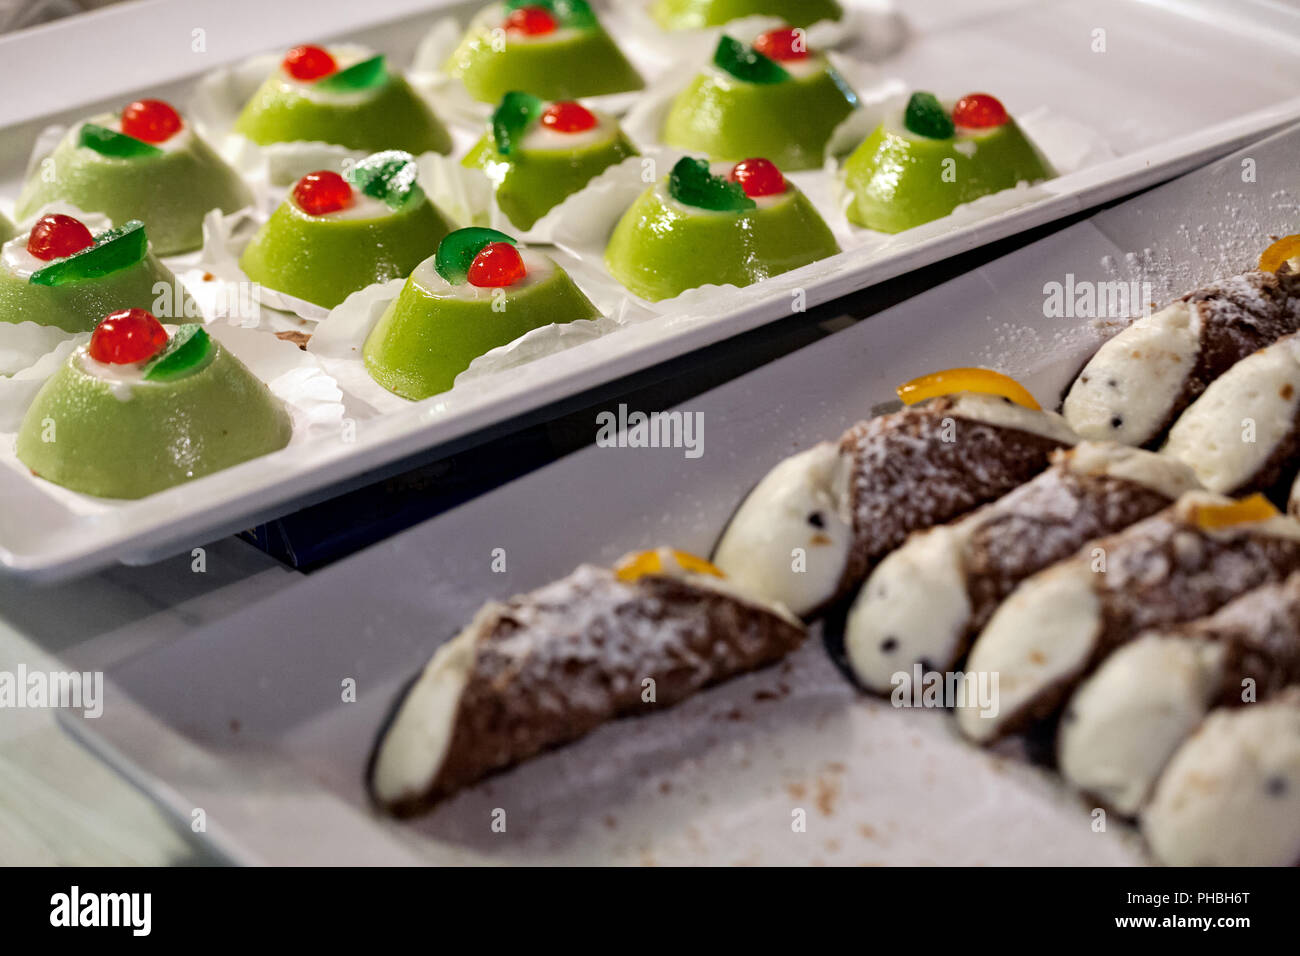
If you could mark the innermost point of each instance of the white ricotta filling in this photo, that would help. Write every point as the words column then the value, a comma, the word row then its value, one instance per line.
column 996, row 410
column 363, row 207
column 1042, row 634
column 1228, row 433
column 17, row 261
column 1127, row 719
column 177, row 142
column 1230, row 795
column 538, row 269
column 913, row 607
column 345, row 55
column 416, row 743
column 1157, row 472
column 123, row 379
column 544, row 139
column 772, row 549
column 1127, row 389
column 723, row 170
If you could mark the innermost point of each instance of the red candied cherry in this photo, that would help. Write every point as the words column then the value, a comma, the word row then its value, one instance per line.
column 979, row 111
column 128, row 336
column 56, row 235
column 788, row 43
column 309, row 63
column 758, row 177
column 151, row 120
column 497, row 265
column 322, row 192
column 568, row 117
column 531, row 21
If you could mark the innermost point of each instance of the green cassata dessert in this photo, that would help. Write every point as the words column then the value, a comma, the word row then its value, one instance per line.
column 921, row 168
column 479, row 292
column 704, row 229
column 136, row 411
column 145, row 163
column 775, row 99
column 336, row 234
column 554, row 49
column 61, row 275
column 693, row 14
column 537, row 153
column 7, row 228
column 341, row 96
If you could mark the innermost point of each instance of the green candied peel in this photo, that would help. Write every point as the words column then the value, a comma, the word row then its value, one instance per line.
column 109, row 142
column 745, row 63
column 693, row 183
column 359, row 76
column 512, row 119
column 925, row 116
column 576, row 14
column 113, row 250
column 184, row 352
column 390, row 176
column 457, row 250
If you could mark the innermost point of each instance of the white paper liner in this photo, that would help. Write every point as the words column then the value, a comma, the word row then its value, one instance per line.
column 338, row 341
column 620, row 183
column 452, row 102
column 313, row 400
column 463, row 195
column 18, row 390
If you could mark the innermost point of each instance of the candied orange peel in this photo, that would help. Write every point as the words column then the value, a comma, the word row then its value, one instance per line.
column 953, row 380
column 1214, row 517
column 636, row 566
column 1276, row 255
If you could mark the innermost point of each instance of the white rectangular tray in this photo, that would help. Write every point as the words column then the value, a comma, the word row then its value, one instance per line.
column 1176, row 83
column 244, row 719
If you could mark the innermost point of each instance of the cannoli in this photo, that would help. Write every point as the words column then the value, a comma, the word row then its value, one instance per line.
column 1243, row 433
column 1123, row 723
column 548, row 667
column 811, row 530
column 1180, row 564
column 1231, row 793
column 1139, row 382
column 924, row 602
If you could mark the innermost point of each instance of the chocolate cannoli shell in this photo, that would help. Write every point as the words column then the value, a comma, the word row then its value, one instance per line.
column 548, row 667
column 1131, row 390
column 929, row 464
column 1160, row 572
column 1057, row 514
column 927, row 600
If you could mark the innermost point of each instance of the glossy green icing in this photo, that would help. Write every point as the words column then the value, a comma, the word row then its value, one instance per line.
column 128, row 441
column 571, row 64
column 661, row 248
column 693, row 14
column 170, row 192
column 899, row 180
column 78, row 306
column 531, row 182
column 324, row 259
column 789, row 123
column 430, row 334
column 391, row 116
